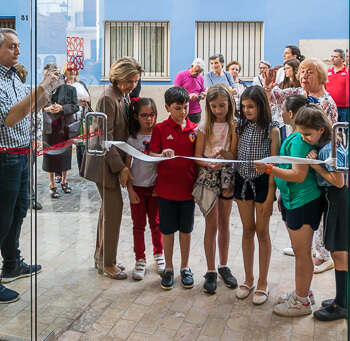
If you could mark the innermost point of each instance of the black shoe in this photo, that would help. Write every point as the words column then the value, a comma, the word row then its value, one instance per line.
column 22, row 270
column 226, row 275
column 36, row 205
column 210, row 284
column 187, row 279
column 337, row 313
column 8, row 295
column 326, row 303
column 167, row 282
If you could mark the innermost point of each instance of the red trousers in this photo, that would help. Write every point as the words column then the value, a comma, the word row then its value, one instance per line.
column 148, row 206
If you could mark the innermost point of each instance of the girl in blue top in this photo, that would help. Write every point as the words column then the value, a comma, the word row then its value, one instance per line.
column 315, row 128
column 301, row 208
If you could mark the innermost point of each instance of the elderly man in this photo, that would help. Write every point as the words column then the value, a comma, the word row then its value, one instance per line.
column 15, row 104
column 263, row 66
column 338, row 84
column 193, row 82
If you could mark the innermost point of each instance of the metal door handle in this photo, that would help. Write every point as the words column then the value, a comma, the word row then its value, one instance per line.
column 103, row 117
column 335, row 128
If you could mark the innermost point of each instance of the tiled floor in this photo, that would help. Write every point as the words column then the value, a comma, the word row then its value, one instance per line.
column 78, row 304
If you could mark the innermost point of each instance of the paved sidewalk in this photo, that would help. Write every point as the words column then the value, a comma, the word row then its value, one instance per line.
column 79, row 304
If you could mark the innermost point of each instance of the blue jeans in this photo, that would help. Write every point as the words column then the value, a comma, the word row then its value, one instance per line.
column 13, row 205
column 343, row 114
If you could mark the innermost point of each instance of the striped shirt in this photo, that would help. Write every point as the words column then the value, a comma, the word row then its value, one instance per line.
column 12, row 90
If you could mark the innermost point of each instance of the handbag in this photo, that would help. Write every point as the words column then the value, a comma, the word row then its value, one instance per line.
column 73, row 129
column 72, row 126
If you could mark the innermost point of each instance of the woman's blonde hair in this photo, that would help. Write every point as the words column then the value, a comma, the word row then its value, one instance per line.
column 123, row 68
column 320, row 67
column 65, row 69
column 216, row 90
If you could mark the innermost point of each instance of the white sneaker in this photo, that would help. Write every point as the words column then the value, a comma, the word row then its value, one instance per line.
column 327, row 265
column 160, row 263
column 292, row 307
column 284, row 297
column 139, row 270
column 288, row 251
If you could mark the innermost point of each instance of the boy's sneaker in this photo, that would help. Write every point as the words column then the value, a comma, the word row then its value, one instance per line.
column 284, row 297
column 167, row 282
column 139, row 269
column 187, row 278
column 22, row 270
column 7, row 295
column 293, row 307
column 160, row 263
column 226, row 275
column 210, row 284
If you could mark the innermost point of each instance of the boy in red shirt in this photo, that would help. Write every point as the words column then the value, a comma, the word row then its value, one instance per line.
column 175, row 181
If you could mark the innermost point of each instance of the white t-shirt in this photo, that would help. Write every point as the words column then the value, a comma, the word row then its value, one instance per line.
column 220, row 137
column 259, row 80
column 280, row 75
column 81, row 92
column 144, row 173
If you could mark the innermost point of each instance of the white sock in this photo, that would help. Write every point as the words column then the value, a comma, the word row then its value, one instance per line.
column 303, row 300
column 185, row 269
column 222, row 266
column 167, row 269
column 211, row 270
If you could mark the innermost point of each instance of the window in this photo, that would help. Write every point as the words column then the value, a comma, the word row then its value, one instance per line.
column 8, row 23
column 148, row 42
column 241, row 41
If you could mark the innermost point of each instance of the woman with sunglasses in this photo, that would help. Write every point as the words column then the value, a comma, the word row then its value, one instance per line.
column 84, row 99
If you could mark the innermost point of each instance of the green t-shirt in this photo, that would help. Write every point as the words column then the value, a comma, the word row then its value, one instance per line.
column 294, row 194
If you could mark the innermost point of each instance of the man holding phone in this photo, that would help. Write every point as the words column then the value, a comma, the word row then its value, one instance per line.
column 193, row 82
column 15, row 104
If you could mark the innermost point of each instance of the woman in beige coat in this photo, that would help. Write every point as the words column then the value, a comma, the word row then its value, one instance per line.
column 109, row 171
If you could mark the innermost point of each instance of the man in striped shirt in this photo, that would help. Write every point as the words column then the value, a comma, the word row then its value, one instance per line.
column 15, row 105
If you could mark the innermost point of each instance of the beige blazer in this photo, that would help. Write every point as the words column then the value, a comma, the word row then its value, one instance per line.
column 104, row 170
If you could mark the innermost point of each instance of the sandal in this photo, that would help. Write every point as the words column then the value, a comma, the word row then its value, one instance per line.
column 53, row 192
column 66, row 188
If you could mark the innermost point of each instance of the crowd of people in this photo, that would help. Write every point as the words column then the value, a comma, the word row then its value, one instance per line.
column 241, row 123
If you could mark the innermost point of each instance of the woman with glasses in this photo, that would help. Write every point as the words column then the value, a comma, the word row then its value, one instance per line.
column 72, row 78
column 57, row 115
column 263, row 66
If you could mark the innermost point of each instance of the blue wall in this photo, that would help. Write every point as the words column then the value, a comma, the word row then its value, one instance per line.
column 286, row 22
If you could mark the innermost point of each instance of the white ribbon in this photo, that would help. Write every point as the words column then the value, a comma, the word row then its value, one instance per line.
column 271, row 159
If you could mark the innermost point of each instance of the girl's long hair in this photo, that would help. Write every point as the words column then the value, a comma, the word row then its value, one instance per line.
column 312, row 116
column 287, row 82
column 135, row 108
column 216, row 90
column 257, row 95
